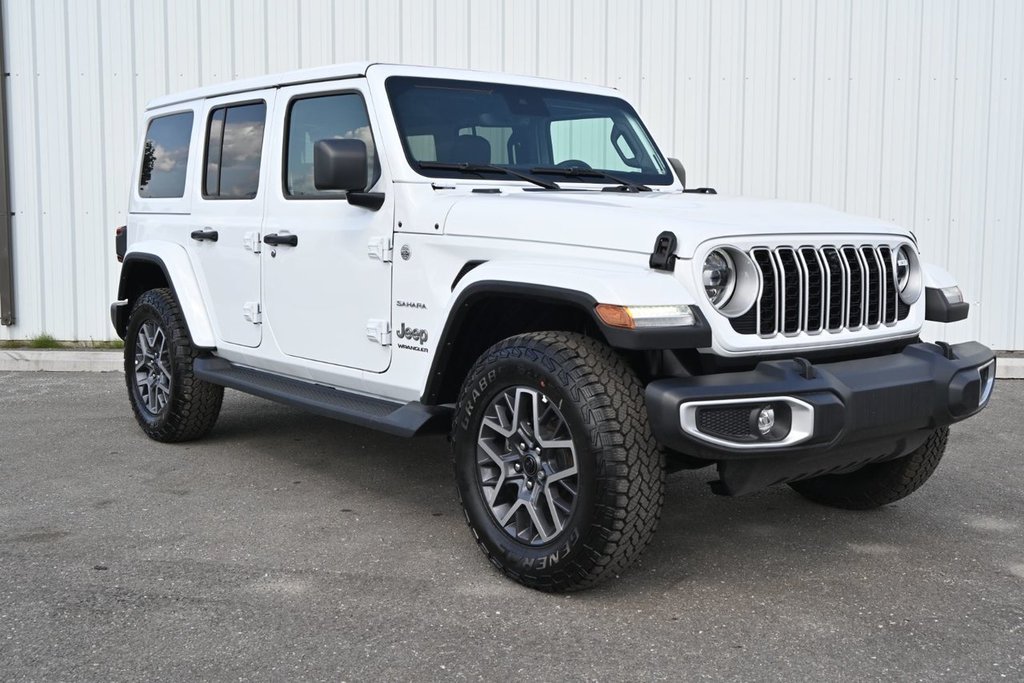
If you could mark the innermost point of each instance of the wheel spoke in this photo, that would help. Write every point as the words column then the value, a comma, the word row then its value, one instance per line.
column 525, row 446
column 562, row 474
column 511, row 511
column 553, row 509
column 544, row 534
column 153, row 375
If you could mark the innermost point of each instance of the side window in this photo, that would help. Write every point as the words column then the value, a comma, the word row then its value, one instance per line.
column 234, row 146
column 165, row 156
column 311, row 119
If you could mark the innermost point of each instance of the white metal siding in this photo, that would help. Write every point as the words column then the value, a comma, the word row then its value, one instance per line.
column 908, row 110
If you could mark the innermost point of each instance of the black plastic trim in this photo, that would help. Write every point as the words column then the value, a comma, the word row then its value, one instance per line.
column 119, row 311
column 938, row 309
column 366, row 200
column 877, row 401
column 466, row 268
column 400, row 419
column 694, row 337
column 663, row 256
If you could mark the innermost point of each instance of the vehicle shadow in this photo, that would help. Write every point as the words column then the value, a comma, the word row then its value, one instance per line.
column 702, row 538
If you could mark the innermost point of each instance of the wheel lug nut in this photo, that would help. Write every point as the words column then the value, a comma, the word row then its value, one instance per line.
column 541, row 475
column 529, row 483
column 518, row 467
column 522, row 445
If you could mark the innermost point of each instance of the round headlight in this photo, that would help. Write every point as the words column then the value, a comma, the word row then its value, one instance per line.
column 902, row 268
column 719, row 277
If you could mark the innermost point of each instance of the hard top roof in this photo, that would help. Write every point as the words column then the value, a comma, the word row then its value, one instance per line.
column 351, row 70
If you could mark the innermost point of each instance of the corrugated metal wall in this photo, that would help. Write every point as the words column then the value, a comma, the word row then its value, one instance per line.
column 910, row 110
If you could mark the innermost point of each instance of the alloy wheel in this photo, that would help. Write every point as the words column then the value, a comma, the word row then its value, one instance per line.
column 527, row 465
column 152, row 367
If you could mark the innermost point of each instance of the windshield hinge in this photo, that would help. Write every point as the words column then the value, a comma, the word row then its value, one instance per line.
column 664, row 255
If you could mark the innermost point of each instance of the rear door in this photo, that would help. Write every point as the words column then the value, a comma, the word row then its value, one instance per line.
column 225, row 240
column 328, row 296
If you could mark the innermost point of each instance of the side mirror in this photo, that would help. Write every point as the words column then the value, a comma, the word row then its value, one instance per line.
column 340, row 165
column 677, row 166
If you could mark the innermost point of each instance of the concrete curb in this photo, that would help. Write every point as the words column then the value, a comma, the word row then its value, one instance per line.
column 111, row 361
column 56, row 360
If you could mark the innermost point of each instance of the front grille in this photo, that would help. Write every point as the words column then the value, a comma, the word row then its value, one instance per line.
column 817, row 289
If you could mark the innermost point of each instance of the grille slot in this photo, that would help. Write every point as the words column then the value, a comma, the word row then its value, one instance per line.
column 816, row 289
column 728, row 423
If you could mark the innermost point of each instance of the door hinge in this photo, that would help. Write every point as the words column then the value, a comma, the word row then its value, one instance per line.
column 251, row 240
column 380, row 248
column 253, row 312
column 379, row 331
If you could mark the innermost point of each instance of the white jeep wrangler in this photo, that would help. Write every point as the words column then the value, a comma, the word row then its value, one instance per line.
column 512, row 261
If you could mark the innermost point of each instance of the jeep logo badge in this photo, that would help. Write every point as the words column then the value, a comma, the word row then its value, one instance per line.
column 412, row 334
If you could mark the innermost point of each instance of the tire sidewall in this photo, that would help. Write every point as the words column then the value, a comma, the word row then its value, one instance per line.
column 481, row 388
column 145, row 311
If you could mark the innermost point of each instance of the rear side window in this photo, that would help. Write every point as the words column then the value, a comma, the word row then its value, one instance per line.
column 234, row 146
column 165, row 156
column 311, row 119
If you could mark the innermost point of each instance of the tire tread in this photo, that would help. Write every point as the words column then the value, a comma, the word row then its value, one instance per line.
column 631, row 471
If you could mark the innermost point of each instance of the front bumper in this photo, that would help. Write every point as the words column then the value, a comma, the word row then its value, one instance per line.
column 840, row 415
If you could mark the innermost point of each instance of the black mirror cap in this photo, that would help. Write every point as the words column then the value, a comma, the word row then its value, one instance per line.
column 340, row 164
column 677, row 166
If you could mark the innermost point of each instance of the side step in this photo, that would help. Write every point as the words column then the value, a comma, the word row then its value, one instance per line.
column 409, row 419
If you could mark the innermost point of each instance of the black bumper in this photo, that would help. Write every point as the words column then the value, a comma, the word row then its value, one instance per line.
column 861, row 410
column 119, row 317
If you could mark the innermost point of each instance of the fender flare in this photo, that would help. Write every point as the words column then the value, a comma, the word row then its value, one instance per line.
column 483, row 282
column 180, row 277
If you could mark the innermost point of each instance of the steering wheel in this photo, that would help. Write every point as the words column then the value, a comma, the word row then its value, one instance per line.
column 573, row 163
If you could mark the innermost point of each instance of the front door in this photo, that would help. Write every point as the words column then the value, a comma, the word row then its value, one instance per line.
column 224, row 245
column 322, row 288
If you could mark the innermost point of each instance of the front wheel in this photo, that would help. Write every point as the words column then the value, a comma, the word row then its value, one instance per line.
column 880, row 483
column 559, row 475
column 169, row 401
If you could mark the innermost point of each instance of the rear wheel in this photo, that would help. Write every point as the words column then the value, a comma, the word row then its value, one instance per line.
column 558, row 473
column 878, row 484
column 169, row 402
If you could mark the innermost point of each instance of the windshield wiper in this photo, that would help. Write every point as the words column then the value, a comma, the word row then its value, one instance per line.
column 577, row 172
column 479, row 169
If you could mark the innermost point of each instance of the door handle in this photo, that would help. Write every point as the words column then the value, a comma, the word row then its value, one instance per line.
column 275, row 240
column 204, row 235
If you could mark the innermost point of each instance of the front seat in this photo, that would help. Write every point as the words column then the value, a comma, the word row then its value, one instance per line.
column 469, row 148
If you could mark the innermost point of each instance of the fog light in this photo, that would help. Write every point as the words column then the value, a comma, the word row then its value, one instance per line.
column 770, row 421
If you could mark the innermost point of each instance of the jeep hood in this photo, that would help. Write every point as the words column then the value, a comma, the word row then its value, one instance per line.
column 632, row 222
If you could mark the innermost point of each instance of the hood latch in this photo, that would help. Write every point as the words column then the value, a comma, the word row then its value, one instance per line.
column 664, row 255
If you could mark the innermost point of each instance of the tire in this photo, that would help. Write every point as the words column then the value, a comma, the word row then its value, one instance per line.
column 170, row 403
column 586, row 397
column 880, row 483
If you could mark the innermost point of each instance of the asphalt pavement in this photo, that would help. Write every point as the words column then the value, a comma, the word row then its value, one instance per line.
column 287, row 546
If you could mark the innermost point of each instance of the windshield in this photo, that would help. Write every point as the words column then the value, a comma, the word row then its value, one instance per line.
column 522, row 128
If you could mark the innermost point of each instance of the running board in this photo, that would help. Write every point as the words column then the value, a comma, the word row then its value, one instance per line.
column 408, row 419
